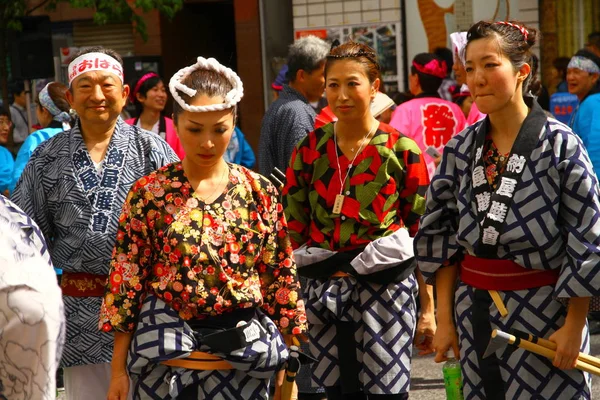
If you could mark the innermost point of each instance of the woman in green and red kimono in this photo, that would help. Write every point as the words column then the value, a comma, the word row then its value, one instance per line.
column 354, row 191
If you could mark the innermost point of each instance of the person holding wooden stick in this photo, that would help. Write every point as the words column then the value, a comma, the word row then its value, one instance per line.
column 512, row 210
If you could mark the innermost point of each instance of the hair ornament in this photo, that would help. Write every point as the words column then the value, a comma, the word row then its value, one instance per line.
column 519, row 27
column 231, row 99
column 139, row 83
column 434, row 67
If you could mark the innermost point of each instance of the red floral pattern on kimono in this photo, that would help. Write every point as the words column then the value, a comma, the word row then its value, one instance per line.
column 494, row 161
column 203, row 259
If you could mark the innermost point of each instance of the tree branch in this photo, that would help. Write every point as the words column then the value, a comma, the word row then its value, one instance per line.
column 44, row 2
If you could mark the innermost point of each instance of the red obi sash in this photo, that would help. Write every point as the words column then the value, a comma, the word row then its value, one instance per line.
column 493, row 274
column 82, row 284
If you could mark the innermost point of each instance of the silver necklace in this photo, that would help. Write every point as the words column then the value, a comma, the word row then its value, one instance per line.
column 339, row 198
column 204, row 199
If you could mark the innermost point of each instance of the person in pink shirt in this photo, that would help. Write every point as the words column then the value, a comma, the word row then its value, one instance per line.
column 149, row 96
column 428, row 119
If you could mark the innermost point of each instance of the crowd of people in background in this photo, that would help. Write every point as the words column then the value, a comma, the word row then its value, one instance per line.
column 185, row 274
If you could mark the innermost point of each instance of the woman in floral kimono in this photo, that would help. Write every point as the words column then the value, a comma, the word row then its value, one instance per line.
column 202, row 279
column 513, row 212
column 354, row 191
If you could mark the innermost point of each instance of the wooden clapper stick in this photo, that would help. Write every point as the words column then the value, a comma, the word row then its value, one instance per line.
column 542, row 347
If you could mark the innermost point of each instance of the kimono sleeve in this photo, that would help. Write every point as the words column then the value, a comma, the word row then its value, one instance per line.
column 162, row 154
column 279, row 281
column 416, row 180
column 435, row 242
column 295, row 195
column 129, row 266
column 579, row 218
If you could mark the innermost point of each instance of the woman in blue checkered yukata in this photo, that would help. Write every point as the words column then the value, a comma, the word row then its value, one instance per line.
column 513, row 210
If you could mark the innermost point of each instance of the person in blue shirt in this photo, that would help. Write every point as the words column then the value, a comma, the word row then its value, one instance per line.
column 6, row 159
column 239, row 150
column 583, row 74
column 53, row 114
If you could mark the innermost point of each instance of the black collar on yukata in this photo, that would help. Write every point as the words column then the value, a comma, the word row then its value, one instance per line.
column 428, row 94
column 493, row 205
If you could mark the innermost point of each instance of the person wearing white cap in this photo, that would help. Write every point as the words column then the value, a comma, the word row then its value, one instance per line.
column 73, row 187
column 202, row 282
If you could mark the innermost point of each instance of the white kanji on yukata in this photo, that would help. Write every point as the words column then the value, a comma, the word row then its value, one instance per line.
column 507, row 187
column 478, row 154
column 497, row 211
column 478, row 176
column 515, row 163
column 490, row 235
column 483, row 201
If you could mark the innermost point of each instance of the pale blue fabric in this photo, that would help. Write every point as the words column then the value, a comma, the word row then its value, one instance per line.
column 26, row 150
column 7, row 163
column 239, row 150
column 586, row 124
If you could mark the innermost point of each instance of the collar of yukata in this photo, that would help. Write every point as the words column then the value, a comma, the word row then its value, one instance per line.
column 584, row 64
column 94, row 62
column 231, row 99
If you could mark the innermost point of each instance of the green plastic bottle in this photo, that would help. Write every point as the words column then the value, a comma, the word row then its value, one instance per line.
column 453, row 380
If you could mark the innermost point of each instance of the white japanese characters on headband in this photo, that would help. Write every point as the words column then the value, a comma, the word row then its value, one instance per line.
column 94, row 62
column 231, row 99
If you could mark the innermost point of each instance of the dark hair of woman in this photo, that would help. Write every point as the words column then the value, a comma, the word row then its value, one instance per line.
column 515, row 41
column 358, row 52
column 429, row 83
column 143, row 89
column 561, row 64
column 58, row 94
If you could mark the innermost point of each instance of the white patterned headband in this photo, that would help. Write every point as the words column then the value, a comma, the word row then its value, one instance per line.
column 47, row 102
column 231, row 99
column 459, row 42
column 584, row 64
column 94, row 62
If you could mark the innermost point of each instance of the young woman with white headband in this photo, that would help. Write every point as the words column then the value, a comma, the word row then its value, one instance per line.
column 202, row 279
column 53, row 114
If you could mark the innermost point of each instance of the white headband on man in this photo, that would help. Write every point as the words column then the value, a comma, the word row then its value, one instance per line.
column 231, row 99
column 94, row 62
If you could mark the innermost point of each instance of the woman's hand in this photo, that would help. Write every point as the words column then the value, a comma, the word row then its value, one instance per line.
column 426, row 328
column 568, row 338
column 568, row 343
column 444, row 339
column 119, row 387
